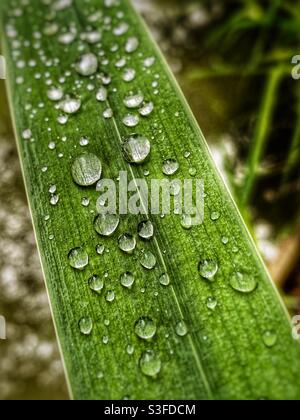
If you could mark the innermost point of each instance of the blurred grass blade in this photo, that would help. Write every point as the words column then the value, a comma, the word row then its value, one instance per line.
column 221, row 332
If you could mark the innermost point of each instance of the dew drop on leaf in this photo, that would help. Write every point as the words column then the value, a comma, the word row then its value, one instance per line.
column 170, row 166
column 186, row 221
column 243, row 282
column 131, row 120
column 148, row 260
column 87, row 64
column 85, row 325
column 110, row 296
column 215, row 215
column 55, row 94
column 108, row 113
column 181, row 329
column 70, row 105
column 164, row 279
column 150, row 363
column 134, row 101
column 127, row 243
column 146, row 109
column 86, row 170
column 106, row 224
column 270, row 338
column 127, row 280
column 211, row 303
column 131, row 45
column 146, row 229
column 208, row 269
column 136, row 148
column 100, row 249
column 96, row 283
column 101, row 95
column 145, row 328
column 129, row 75
column 78, row 258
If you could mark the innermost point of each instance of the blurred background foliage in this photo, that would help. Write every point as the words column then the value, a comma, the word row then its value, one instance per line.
column 233, row 61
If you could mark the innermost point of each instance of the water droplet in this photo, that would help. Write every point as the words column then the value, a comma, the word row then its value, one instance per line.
column 127, row 243
column 96, row 283
column 134, row 101
column 146, row 109
column 131, row 45
column 86, row 170
column 270, row 338
column 243, row 282
column 100, row 249
column 186, row 221
column 225, row 240
column 130, row 349
column 78, row 258
column 67, row 38
column 92, row 37
column 164, row 279
column 193, row 171
column 102, row 94
column 131, row 120
column 149, row 61
column 55, row 94
column 211, row 303
column 52, row 145
column 106, row 224
column 110, row 296
column 136, row 148
column 108, row 113
column 52, row 189
column 105, row 339
column 127, row 280
column 62, row 119
column 150, row 363
column 208, row 269
column 86, row 325
column 129, row 75
column 27, row 134
column 70, row 105
column 148, row 260
column 146, row 229
column 54, row 200
column 84, row 141
column 181, row 329
column 85, row 201
column 215, row 215
column 170, row 166
column 87, row 65
column 121, row 29
column 145, row 328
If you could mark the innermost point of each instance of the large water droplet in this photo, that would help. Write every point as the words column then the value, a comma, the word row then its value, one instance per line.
column 127, row 243
column 134, row 101
column 243, row 282
column 150, row 363
column 127, row 280
column 208, row 269
column 170, row 166
column 136, row 148
column 148, row 260
column 181, row 329
column 145, row 328
column 131, row 120
column 146, row 229
column 78, row 258
column 87, row 65
column 146, row 109
column 86, row 170
column 270, row 338
column 85, row 325
column 106, row 224
column 131, row 45
column 96, row 283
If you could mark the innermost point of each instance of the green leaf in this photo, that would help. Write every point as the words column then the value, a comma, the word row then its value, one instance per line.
column 209, row 339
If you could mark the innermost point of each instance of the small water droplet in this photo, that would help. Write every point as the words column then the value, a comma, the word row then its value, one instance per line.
column 146, row 230
column 55, row 94
column 78, row 258
column 96, row 283
column 132, row 44
column 186, row 221
column 145, row 328
column 136, row 148
column 52, row 145
column 85, row 201
column 110, row 296
column 270, row 338
column 150, row 363
column 148, row 260
column 130, row 349
column 108, row 113
column 100, row 249
column 181, row 329
column 87, row 64
column 193, row 172
column 243, row 282
column 208, row 269
column 164, row 279
column 105, row 339
column 86, row 170
column 170, row 166
column 86, row 325
column 83, row 141
column 52, row 189
column 225, row 240
column 149, row 61
column 127, row 280
column 129, row 75
column 134, row 101
column 211, row 303
column 27, row 134
column 131, row 120
column 215, row 215
column 106, row 224
column 102, row 94
column 54, row 200
column 127, row 243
